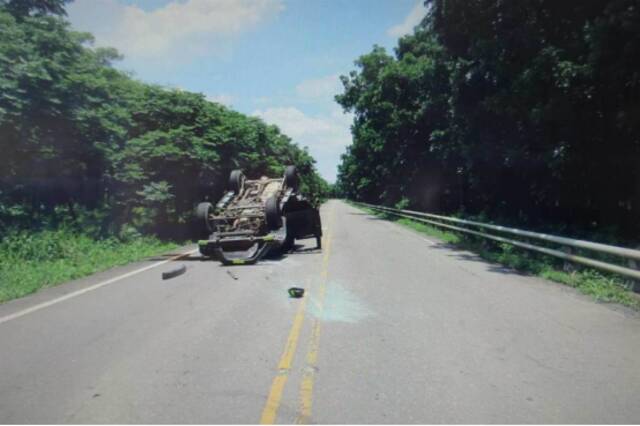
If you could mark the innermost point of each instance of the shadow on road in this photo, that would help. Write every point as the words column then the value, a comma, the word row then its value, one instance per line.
column 456, row 251
column 378, row 218
column 464, row 254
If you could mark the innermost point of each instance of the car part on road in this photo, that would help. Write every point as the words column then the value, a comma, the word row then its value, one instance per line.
column 255, row 216
column 296, row 292
column 174, row 272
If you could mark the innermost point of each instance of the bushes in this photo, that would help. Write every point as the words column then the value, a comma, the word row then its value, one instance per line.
column 78, row 137
column 92, row 160
column 32, row 260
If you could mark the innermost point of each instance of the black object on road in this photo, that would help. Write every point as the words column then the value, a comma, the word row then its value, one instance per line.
column 296, row 292
column 174, row 272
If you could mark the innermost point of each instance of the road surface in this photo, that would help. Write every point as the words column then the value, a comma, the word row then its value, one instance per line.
column 394, row 328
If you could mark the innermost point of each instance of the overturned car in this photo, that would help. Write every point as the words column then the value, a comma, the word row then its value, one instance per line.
column 256, row 216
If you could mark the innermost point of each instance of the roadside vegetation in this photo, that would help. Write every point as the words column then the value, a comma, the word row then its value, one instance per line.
column 77, row 134
column 522, row 113
column 84, row 142
column 33, row 260
column 525, row 112
column 601, row 286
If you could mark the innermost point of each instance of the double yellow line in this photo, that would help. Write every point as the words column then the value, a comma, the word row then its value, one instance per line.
column 270, row 411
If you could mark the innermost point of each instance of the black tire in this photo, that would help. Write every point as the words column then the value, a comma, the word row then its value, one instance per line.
column 174, row 272
column 236, row 181
column 203, row 211
column 291, row 179
column 273, row 214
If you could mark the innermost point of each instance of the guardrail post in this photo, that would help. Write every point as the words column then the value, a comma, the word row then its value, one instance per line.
column 635, row 284
column 568, row 266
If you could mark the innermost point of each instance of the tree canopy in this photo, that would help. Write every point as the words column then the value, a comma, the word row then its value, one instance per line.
column 526, row 111
column 81, row 138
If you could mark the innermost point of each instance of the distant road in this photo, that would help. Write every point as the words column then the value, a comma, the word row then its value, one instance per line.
column 394, row 328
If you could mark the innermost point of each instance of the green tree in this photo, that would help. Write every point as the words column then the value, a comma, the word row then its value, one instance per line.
column 22, row 8
column 81, row 139
column 526, row 111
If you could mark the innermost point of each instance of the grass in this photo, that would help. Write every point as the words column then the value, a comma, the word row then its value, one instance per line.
column 31, row 261
column 601, row 286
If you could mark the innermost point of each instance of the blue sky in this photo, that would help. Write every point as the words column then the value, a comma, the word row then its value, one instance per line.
column 275, row 59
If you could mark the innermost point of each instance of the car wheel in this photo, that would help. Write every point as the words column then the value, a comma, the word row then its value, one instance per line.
column 291, row 179
column 236, row 181
column 203, row 211
column 273, row 214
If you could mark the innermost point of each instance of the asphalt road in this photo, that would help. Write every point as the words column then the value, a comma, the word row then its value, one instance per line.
column 394, row 328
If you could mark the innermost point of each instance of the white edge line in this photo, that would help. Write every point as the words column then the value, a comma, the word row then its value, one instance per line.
column 88, row 289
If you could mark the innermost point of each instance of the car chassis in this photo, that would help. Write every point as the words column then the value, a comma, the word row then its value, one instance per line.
column 255, row 217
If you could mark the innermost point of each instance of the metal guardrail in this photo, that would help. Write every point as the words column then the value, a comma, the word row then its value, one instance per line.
column 631, row 255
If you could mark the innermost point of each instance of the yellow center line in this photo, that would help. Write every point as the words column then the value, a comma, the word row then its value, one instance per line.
column 270, row 410
column 308, row 377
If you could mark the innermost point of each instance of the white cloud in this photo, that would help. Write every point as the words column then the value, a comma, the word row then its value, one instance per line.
column 327, row 130
column 222, row 98
column 326, row 135
column 192, row 26
column 324, row 87
column 410, row 21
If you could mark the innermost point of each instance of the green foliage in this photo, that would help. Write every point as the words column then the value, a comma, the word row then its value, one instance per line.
column 21, row 8
column 79, row 136
column 446, row 236
column 527, row 111
column 32, row 260
column 402, row 204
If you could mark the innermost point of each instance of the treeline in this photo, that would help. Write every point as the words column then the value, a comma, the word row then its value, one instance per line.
column 527, row 112
column 86, row 144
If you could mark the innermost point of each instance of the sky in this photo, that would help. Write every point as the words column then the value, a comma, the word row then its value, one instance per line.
column 279, row 60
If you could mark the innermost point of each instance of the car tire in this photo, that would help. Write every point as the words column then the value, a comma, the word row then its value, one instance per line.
column 273, row 214
column 291, row 179
column 203, row 211
column 236, row 181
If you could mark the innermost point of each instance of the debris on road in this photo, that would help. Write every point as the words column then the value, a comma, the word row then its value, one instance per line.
column 232, row 275
column 296, row 292
column 174, row 272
